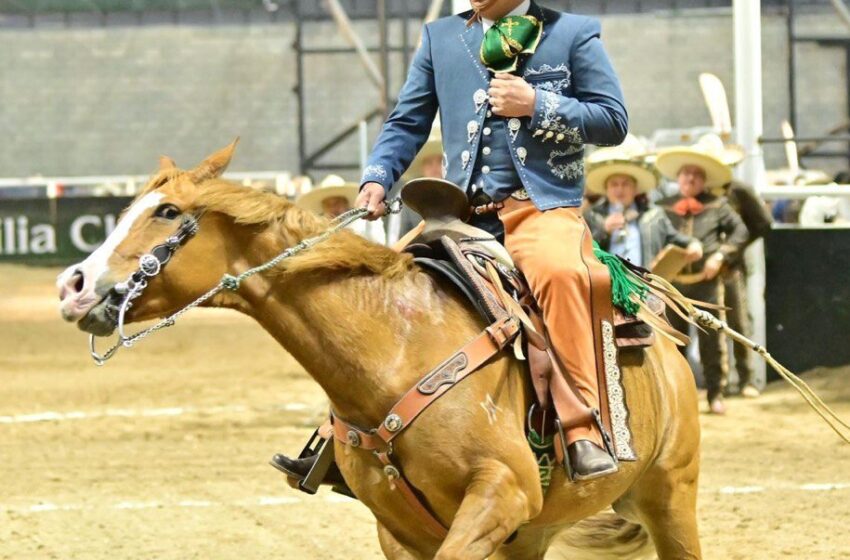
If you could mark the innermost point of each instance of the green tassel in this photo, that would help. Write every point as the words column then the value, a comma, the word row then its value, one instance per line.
column 623, row 282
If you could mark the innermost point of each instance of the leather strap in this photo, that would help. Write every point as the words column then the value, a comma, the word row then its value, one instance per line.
column 434, row 385
column 400, row 483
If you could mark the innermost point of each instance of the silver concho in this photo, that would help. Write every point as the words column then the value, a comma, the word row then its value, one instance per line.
column 464, row 158
column 353, row 438
column 521, row 154
column 480, row 99
column 514, row 125
column 391, row 472
column 149, row 265
column 393, row 423
column 471, row 130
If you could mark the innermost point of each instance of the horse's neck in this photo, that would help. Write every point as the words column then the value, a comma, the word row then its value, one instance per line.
column 363, row 337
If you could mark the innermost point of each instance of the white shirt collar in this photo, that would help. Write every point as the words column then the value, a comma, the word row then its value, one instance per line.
column 520, row 10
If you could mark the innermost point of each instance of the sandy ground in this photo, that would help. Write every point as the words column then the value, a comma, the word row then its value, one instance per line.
column 163, row 453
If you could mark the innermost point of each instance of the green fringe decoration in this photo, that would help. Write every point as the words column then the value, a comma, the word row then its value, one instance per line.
column 623, row 282
column 544, row 453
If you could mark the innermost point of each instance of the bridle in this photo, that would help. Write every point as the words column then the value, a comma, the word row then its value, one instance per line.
column 151, row 265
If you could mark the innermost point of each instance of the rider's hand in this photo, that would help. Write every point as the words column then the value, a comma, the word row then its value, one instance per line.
column 615, row 222
column 693, row 252
column 372, row 197
column 713, row 266
column 511, row 96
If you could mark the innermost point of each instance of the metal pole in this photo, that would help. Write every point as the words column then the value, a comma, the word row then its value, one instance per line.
column 750, row 126
column 383, row 31
column 792, row 65
column 299, row 86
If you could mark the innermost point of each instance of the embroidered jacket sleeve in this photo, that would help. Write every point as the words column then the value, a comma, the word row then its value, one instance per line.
column 408, row 126
column 597, row 112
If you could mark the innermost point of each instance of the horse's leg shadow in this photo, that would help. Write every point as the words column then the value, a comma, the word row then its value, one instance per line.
column 494, row 506
column 392, row 548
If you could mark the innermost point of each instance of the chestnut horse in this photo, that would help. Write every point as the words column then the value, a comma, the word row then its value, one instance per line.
column 366, row 323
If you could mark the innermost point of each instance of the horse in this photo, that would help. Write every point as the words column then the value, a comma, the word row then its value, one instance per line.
column 366, row 323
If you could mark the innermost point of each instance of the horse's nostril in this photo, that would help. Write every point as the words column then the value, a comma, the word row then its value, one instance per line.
column 79, row 281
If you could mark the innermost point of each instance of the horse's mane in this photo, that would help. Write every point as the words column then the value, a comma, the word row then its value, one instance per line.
column 344, row 251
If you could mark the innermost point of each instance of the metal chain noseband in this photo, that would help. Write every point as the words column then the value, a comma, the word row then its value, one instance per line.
column 151, row 264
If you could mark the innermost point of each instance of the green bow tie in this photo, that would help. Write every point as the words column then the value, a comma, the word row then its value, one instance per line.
column 506, row 39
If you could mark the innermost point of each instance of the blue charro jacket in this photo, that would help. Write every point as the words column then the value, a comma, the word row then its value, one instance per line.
column 579, row 101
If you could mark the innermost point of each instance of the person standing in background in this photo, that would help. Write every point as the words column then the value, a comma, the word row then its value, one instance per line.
column 753, row 212
column 622, row 221
column 696, row 212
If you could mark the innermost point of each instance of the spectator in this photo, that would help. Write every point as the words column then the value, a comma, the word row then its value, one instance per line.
column 622, row 222
column 334, row 197
column 710, row 219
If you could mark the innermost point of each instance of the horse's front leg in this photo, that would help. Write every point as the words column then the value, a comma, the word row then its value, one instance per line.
column 495, row 504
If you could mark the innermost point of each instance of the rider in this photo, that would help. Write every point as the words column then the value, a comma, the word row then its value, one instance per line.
column 520, row 90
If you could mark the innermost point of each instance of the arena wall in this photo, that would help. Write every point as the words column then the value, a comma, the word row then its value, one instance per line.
column 102, row 100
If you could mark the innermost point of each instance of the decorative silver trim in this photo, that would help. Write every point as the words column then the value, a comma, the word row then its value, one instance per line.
column 464, row 158
column 471, row 131
column 521, row 154
column 353, row 438
column 556, row 84
column 566, row 171
column 616, row 397
column 393, row 422
column 376, row 170
column 514, row 125
column 480, row 99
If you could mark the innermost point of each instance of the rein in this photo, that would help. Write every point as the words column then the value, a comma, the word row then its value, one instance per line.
column 151, row 264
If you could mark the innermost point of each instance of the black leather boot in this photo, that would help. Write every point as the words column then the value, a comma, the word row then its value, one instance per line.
column 588, row 460
column 297, row 470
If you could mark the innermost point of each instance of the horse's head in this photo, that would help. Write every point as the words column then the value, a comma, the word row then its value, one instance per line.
column 87, row 290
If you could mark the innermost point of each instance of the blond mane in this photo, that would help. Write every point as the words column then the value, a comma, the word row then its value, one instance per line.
column 344, row 251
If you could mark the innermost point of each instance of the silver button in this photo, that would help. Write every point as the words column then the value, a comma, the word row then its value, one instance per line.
column 486, row 151
column 487, row 131
column 489, row 113
column 485, row 170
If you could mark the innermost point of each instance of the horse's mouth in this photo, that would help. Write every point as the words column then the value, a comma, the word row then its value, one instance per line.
column 102, row 318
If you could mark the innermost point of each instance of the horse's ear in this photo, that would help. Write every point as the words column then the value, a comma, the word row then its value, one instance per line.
column 215, row 164
column 166, row 163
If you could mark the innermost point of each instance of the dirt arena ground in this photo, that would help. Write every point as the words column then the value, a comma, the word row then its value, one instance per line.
column 163, row 452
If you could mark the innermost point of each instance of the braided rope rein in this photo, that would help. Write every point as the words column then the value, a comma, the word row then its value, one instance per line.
column 227, row 282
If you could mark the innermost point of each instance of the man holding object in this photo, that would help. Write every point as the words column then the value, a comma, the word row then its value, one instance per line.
column 520, row 90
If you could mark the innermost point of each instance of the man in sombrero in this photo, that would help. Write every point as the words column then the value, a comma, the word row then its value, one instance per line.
column 695, row 211
column 622, row 221
column 335, row 196
column 520, row 90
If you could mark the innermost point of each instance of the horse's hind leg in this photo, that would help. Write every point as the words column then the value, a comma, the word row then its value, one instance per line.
column 496, row 503
column 665, row 503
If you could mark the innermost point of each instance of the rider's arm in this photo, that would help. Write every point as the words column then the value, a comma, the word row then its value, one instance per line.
column 407, row 128
column 596, row 111
column 736, row 233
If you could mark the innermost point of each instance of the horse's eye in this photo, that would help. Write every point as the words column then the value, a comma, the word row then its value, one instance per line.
column 167, row 211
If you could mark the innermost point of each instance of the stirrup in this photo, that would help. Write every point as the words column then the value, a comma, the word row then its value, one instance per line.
column 316, row 446
column 606, row 440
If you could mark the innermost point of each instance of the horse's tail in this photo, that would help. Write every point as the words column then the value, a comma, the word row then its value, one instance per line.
column 605, row 536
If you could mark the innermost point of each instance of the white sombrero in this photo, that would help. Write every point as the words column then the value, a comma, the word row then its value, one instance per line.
column 331, row 187
column 626, row 159
column 706, row 154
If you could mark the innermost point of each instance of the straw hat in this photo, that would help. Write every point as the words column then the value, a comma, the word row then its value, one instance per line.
column 625, row 159
column 433, row 147
column 706, row 154
column 331, row 186
column 732, row 154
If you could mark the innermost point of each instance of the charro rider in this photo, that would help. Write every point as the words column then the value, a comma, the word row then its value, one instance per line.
column 520, row 90
column 696, row 212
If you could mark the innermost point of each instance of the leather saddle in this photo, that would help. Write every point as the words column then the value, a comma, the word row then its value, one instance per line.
column 449, row 248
